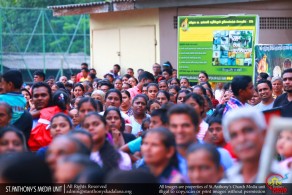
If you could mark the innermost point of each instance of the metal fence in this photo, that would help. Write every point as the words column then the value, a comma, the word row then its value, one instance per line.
column 33, row 39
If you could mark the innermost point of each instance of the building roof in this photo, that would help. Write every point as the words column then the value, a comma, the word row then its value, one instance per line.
column 93, row 7
column 77, row 5
column 88, row 4
column 124, row 5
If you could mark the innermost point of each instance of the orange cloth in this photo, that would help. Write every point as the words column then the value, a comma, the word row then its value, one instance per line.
column 78, row 77
column 40, row 136
column 230, row 150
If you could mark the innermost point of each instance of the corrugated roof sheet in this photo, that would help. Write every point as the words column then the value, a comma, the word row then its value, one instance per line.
column 77, row 5
column 87, row 4
column 117, row 1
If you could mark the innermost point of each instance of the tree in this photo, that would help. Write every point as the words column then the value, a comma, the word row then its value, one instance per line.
column 19, row 24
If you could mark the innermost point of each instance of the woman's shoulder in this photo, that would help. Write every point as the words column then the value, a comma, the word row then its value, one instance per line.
column 125, row 161
column 172, row 175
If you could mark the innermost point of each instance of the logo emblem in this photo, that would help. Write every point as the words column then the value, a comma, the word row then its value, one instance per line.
column 274, row 183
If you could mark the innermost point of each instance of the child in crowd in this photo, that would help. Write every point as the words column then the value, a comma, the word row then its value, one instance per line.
column 284, row 148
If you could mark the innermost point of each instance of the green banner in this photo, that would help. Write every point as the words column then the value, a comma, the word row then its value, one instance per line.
column 222, row 46
column 273, row 59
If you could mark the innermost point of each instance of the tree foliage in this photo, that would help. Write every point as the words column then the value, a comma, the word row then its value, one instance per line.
column 27, row 26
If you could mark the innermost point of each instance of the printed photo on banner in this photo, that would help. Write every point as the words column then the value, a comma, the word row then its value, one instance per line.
column 232, row 48
column 272, row 59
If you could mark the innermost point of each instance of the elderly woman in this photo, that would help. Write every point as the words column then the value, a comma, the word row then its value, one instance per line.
column 277, row 86
column 98, row 95
column 6, row 114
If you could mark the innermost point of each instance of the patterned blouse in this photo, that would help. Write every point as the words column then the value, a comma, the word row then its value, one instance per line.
column 232, row 104
column 171, row 175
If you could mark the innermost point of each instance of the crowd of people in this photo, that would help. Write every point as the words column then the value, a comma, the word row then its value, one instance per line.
column 140, row 127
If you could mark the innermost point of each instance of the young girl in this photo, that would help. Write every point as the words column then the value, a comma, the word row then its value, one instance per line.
column 60, row 124
column 174, row 90
column 139, row 113
column 144, row 127
column 133, row 81
column 208, row 107
column 198, row 89
column 197, row 102
column 83, row 136
column 215, row 135
column 152, row 90
column 163, row 85
column 184, row 82
column 162, row 97
column 210, row 94
column 78, row 90
column 114, row 98
column 174, row 82
column 204, row 164
column 284, row 148
column 152, row 105
column 181, row 96
column 158, row 150
column 203, row 77
column 86, row 105
column 145, row 124
column 12, row 140
column 103, row 153
column 27, row 96
column 116, row 125
column 125, row 78
column 118, row 83
column 126, row 103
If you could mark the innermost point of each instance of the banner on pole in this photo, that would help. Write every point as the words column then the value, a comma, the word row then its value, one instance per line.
column 272, row 59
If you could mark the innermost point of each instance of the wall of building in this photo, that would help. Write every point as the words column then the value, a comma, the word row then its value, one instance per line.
column 168, row 36
column 266, row 36
column 129, row 25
